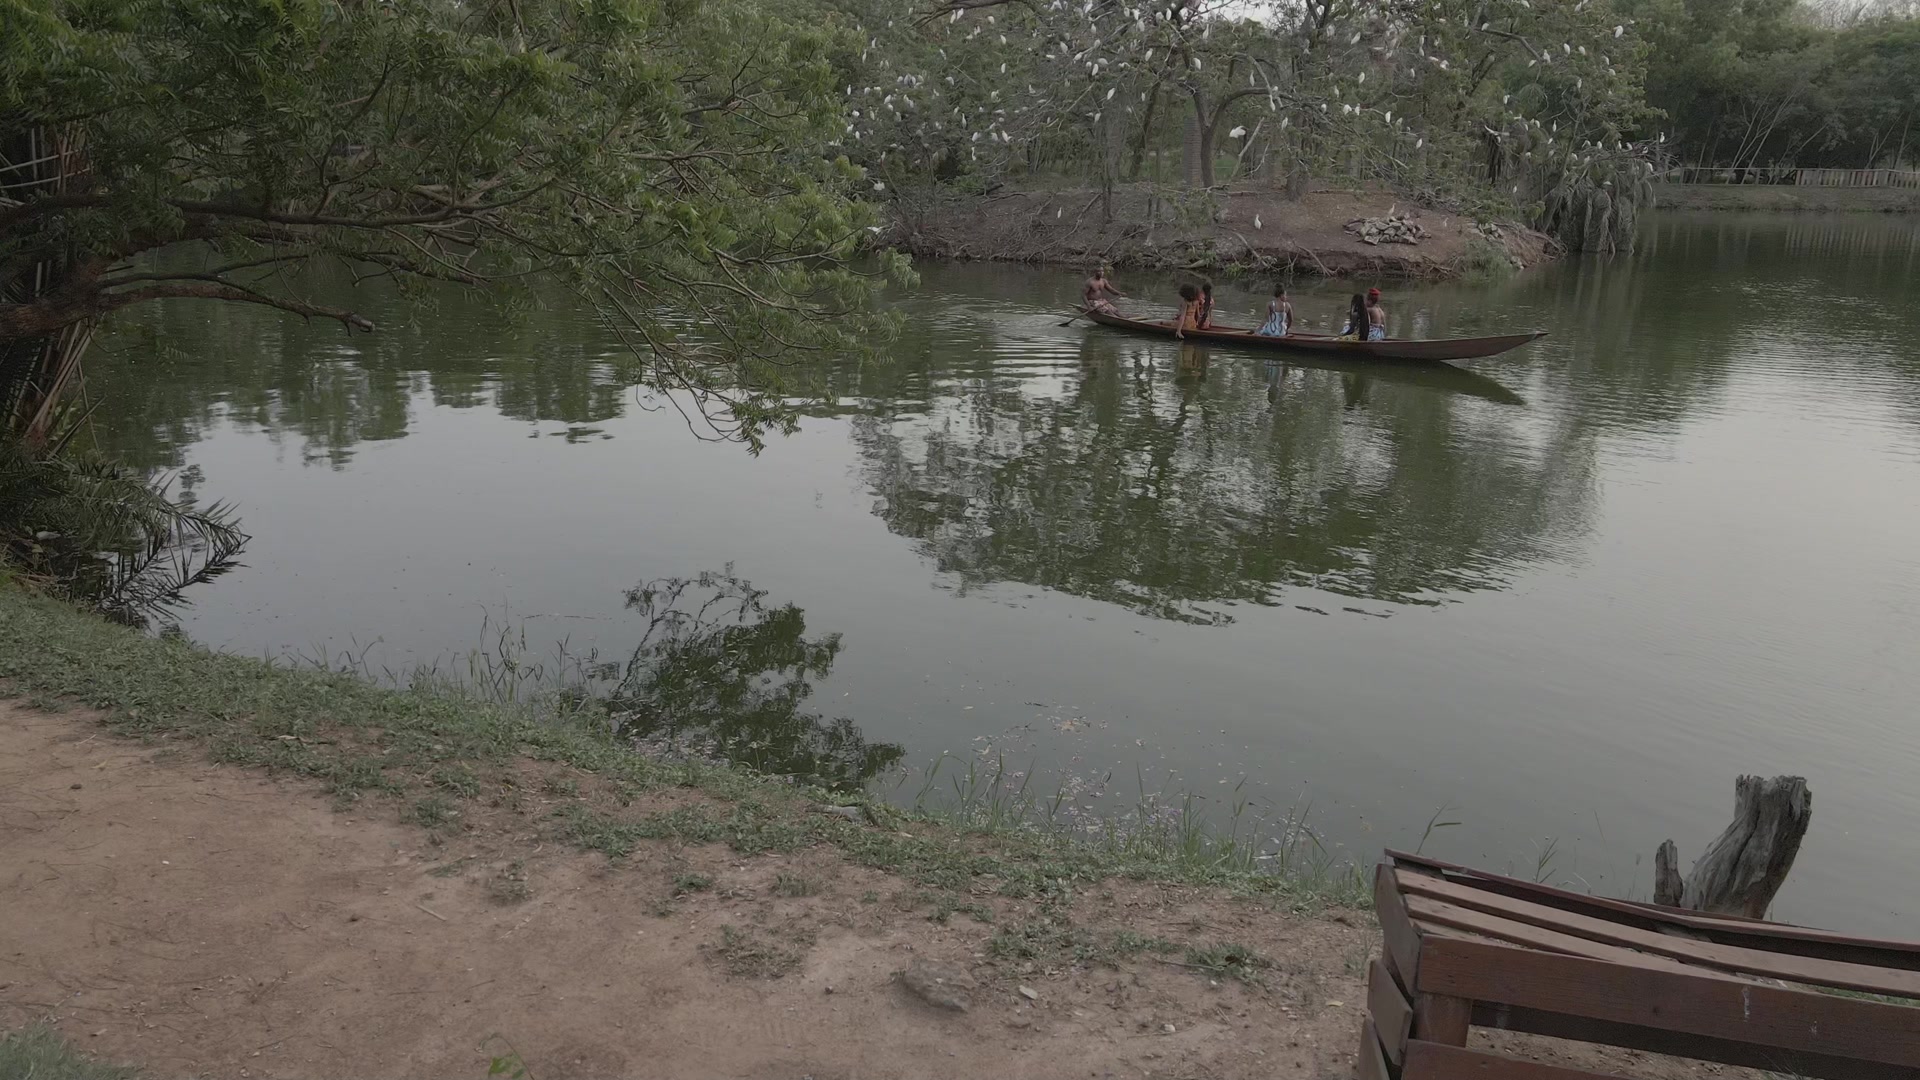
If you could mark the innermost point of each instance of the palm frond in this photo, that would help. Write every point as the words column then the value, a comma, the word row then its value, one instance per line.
column 106, row 536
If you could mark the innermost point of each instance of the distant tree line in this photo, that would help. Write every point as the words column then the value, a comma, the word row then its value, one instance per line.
column 1558, row 112
column 1756, row 83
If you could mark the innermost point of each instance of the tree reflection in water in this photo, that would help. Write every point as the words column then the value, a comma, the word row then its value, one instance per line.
column 1177, row 483
column 720, row 673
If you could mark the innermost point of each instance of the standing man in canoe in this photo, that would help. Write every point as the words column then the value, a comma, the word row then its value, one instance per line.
column 1098, row 288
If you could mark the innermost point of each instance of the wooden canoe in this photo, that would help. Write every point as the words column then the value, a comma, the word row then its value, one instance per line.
column 1392, row 349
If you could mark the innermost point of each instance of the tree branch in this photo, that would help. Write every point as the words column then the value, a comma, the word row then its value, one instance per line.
column 221, row 291
column 950, row 6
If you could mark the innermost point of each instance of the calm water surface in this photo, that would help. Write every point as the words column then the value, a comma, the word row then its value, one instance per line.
column 1566, row 594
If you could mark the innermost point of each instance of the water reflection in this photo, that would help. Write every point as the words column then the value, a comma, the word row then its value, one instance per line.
column 720, row 673
column 1168, row 479
column 1171, row 479
column 1694, row 501
column 169, row 373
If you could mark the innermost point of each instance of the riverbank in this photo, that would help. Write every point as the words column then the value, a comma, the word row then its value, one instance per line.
column 1787, row 198
column 224, row 867
column 1256, row 231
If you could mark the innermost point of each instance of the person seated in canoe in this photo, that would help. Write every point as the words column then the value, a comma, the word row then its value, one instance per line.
column 1098, row 288
column 1188, row 316
column 1279, row 314
column 1206, row 306
column 1356, row 327
column 1376, row 317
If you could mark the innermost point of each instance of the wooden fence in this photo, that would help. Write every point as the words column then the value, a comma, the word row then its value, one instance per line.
column 1852, row 178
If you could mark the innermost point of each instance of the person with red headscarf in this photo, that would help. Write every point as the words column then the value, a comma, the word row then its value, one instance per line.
column 1376, row 317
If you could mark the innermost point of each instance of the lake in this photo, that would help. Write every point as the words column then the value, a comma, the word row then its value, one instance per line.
column 1561, row 597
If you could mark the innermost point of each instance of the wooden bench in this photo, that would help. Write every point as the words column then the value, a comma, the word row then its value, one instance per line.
column 1465, row 949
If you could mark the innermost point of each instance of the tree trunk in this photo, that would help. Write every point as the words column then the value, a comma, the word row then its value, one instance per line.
column 1146, row 134
column 1113, row 140
column 1744, row 868
column 47, row 326
column 1196, row 171
column 1299, row 174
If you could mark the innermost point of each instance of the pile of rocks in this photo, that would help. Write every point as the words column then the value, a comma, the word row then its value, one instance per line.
column 1398, row 229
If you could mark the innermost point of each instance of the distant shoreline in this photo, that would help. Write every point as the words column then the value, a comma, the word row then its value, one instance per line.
column 1247, row 230
column 1787, row 198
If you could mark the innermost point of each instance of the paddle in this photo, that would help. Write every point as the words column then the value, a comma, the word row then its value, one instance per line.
column 1082, row 314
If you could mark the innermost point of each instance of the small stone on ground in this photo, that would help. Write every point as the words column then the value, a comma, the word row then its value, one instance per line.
column 938, row 983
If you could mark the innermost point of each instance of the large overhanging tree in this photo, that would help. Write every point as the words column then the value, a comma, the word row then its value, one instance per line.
column 666, row 159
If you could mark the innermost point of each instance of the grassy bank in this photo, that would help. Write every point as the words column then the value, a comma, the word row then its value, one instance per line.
column 1787, row 199
column 39, row 1053
column 449, row 762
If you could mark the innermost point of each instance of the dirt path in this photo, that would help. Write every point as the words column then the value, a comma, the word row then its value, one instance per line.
column 203, row 920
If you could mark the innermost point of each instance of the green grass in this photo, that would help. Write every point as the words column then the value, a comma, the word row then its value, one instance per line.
column 691, row 883
column 751, row 953
column 39, row 1053
column 794, row 885
column 435, row 749
column 1230, row 961
column 1054, row 941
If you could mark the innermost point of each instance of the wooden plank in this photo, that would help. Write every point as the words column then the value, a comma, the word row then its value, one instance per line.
column 1697, row 1004
column 1392, row 1013
column 1801, row 969
column 1436, row 1061
column 1400, row 939
column 1442, row 1018
column 1427, row 911
column 1372, row 1064
column 1727, row 929
column 1672, row 914
column 1681, row 1044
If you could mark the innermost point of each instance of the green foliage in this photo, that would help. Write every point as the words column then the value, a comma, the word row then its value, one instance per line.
column 1746, row 83
column 432, row 811
column 102, row 535
column 660, row 158
column 509, row 1064
column 1230, row 960
column 748, row 952
column 691, row 883
column 39, row 1053
column 794, row 885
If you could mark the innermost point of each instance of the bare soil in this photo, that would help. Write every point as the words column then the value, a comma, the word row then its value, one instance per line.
column 204, row 920
column 1256, row 229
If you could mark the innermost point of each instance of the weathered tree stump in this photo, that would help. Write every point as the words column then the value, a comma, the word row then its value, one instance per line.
column 1741, row 870
column 1668, row 887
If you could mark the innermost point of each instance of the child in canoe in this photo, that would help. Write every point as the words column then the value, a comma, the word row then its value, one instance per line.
column 1188, row 315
